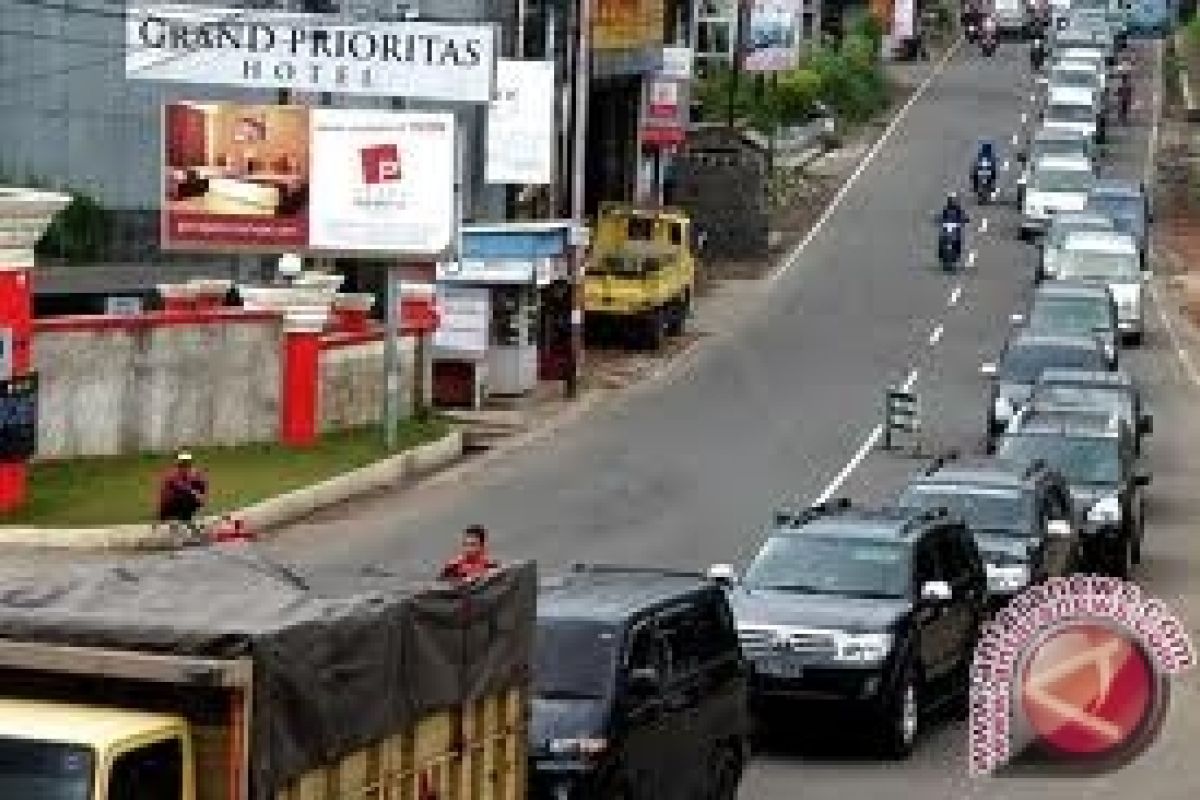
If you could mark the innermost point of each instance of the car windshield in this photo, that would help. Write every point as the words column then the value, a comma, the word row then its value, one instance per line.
column 1070, row 112
column 1023, row 364
column 1106, row 398
column 1080, row 459
column 33, row 770
column 1073, row 77
column 573, row 659
column 812, row 563
column 1074, row 263
column 1062, row 180
column 984, row 508
column 1070, row 315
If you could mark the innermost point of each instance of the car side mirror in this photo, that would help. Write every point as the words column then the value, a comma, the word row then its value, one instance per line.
column 644, row 680
column 1143, row 479
column 1059, row 529
column 1146, row 424
column 988, row 369
column 723, row 574
column 936, row 592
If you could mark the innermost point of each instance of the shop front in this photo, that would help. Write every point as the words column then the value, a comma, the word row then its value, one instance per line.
column 505, row 312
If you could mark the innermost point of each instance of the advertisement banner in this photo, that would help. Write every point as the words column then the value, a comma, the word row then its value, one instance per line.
column 664, row 113
column 310, row 52
column 238, row 177
column 466, row 315
column 627, row 24
column 772, row 40
column 904, row 21
column 677, row 63
column 520, row 124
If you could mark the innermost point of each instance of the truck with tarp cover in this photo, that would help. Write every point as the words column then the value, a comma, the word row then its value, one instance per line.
column 223, row 675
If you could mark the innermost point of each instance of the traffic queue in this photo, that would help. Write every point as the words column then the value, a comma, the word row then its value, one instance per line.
column 875, row 610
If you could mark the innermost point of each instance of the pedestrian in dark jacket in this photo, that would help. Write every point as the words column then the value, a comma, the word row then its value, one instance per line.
column 182, row 492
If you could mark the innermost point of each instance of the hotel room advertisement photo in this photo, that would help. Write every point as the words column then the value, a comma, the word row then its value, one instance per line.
column 262, row 178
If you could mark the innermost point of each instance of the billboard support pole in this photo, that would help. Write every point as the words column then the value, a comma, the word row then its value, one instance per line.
column 583, row 66
column 391, row 380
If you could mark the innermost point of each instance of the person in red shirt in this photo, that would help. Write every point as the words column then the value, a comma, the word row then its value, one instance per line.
column 182, row 492
column 472, row 560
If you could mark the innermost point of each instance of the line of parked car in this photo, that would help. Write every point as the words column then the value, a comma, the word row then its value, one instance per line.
column 649, row 683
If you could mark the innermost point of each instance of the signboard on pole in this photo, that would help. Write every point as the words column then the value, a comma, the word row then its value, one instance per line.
column 263, row 49
column 772, row 39
column 520, row 124
column 239, row 177
column 18, row 417
column 665, row 112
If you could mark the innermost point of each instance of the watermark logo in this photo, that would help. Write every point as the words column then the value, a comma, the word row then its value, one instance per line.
column 380, row 164
column 1073, row 674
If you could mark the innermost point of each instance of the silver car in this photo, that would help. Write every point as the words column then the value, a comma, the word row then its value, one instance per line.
column 1056, row 236
column 1057, row 184
column 1112, row 258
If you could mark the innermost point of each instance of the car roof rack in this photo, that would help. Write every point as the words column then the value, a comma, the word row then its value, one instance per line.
column 795, row 518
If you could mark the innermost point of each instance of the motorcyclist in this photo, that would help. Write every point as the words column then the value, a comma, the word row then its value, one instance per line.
column 985, row 162
column 953, row 212
column 950, row 239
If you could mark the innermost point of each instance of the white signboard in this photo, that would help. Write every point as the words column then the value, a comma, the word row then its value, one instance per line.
column 904, row 22
column 520, row 135
column 465, row 324
column 496, row 271
column 310, row 52
column 773, row 40
column 382, row 181
column 122, row 305
column 676, row 63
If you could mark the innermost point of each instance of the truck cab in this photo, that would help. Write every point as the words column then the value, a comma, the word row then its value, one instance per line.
column 641, row 276
column 79, row 752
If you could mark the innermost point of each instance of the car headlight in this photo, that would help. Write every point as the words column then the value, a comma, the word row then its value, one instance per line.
column 863, row 648
column 1007, row 578
column 1003, row 407
column 583, row 746
column 1107, row 509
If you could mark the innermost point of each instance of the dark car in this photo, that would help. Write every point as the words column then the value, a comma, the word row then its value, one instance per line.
column 1025, row 355
column 1096, row 454
column 1108, row 392
column 1126, row 203
column 640, row 688
column 1020, row 515
column 872, row 612
column 1074, row 308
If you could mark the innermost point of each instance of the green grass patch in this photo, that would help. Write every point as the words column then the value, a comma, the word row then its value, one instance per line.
column 112, row 490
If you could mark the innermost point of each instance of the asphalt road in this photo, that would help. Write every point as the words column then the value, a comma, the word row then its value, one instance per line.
column 685, row 471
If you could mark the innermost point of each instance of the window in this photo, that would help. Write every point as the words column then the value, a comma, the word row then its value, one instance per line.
column 712, row 37
column 151, row 772
column 676, row 234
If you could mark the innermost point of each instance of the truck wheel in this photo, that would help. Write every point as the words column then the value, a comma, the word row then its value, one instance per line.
column 901, row 718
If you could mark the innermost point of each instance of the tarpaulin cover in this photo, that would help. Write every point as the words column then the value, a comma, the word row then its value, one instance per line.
column 340, row 659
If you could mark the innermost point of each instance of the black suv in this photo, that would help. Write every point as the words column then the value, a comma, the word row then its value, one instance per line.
column 640, row 688
column 1095, row 452
column 1025, row 355
column 1020, row 514
column 1108, row 392
column 876, row 611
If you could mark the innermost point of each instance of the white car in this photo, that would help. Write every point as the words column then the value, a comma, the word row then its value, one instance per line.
column 1056, row 236
column 1056, row 184
column 1076, row 74
column 1112, row 258
column 1073, row 108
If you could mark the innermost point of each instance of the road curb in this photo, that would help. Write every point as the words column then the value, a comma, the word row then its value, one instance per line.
column 261, row 517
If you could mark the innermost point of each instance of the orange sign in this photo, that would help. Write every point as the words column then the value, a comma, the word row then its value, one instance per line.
column 627, row 24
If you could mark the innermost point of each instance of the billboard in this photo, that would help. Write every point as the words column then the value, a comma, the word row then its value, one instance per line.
column 772, row 39
column 310, row 52
column 627, row 24
column 267, row 178
column 520, row 124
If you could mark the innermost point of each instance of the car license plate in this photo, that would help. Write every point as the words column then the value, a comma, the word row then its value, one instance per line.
column 779, row 668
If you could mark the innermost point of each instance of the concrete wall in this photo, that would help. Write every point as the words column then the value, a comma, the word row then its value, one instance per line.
column 154, row 388
column 352, row 384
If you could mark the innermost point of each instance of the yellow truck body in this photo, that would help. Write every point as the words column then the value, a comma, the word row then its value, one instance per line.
column 642, row 273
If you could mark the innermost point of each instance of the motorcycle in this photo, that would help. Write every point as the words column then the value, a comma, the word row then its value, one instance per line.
column 950, row 245
column 984, row 181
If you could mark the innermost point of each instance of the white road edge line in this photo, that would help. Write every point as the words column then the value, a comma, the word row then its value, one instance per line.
column 794, row 257
column 862, row 452
column 983, row 225
column 1004, row 167
column 1024, row 118
column 954, row 296
column 936, row 336
column 1016, row 139
column 971, row 259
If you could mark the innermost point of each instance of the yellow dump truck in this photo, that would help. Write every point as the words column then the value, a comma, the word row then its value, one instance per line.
column 642, row 273
column 268, row 688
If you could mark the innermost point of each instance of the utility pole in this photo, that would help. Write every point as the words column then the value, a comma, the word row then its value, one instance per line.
column 583, row 64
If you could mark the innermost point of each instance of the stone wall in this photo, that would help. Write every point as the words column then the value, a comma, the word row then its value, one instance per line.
column 136, row 387
column 351, row 380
